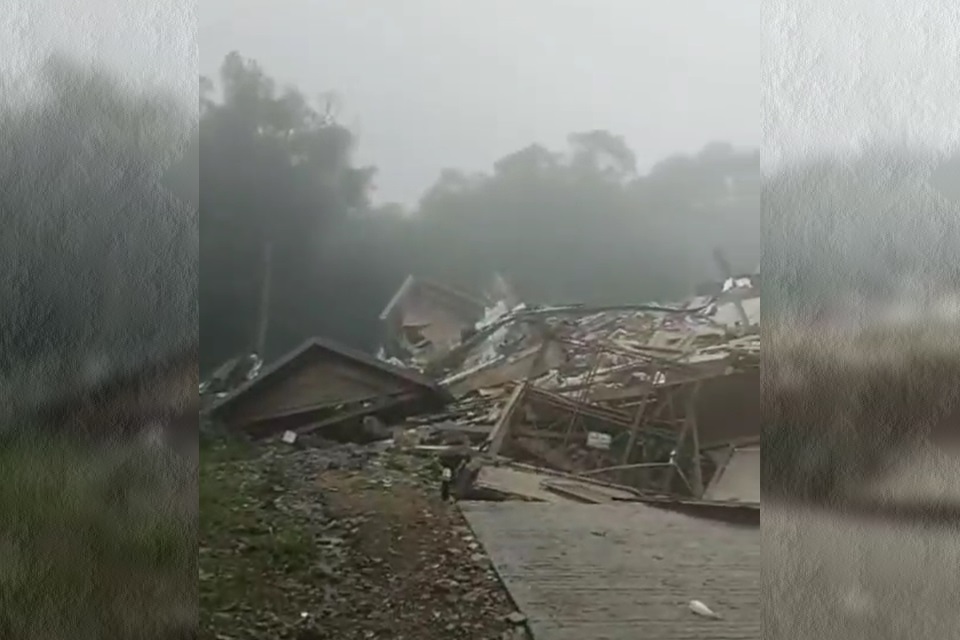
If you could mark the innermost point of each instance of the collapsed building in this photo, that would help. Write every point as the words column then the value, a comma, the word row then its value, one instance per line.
column 660, row 401
column 323, row 386
column 426, row 318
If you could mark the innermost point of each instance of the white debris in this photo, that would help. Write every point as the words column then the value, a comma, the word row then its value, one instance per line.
column 703, row 610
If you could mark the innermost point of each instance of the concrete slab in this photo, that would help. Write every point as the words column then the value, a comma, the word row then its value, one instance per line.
column 619, row 572
column 516, row 482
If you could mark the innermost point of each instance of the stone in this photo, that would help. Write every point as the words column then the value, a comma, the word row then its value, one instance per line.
column 516, row 618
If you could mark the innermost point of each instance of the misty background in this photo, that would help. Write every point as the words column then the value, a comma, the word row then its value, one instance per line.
column 466, row 83
column 582, row 159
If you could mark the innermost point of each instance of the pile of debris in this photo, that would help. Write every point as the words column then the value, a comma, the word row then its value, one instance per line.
column 657, row 399
column 653, row 398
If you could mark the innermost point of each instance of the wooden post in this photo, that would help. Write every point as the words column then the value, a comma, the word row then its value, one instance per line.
column 499, row 433
column 678, row 448
column 690, row 416
column 635, row 423
column 584, row 394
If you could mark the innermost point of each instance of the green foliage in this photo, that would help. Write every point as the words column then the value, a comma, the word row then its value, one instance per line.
column 275, row 170
column 840, row 407
column 259, row 551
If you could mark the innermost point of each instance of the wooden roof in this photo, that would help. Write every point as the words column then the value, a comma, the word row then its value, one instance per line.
column 321, row 345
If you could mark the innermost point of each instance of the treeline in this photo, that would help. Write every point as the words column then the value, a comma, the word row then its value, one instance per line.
column 883, row 223
column 102, row 260
column 577, row 224
column 574, row 224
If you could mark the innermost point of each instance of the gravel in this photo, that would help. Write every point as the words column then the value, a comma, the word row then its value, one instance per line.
column 323, row 541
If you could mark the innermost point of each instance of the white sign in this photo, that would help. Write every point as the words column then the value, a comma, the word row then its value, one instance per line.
column 289, row 437
column 596, row 440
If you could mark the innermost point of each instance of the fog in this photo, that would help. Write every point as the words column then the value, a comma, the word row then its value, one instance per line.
column 605, row 182
column 428, row 84
column 587, row 152
column 860, row 117
column 839, row 78
column 581, row 220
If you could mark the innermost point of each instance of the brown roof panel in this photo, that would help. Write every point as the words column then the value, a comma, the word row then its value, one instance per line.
column 330, row 347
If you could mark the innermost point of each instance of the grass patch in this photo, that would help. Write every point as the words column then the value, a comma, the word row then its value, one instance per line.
column 259, row 555
column 96, row 542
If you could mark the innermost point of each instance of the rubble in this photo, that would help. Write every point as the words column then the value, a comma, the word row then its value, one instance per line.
column 340, row 524
column 635, row 395
column 231, row 374
column 614, row 394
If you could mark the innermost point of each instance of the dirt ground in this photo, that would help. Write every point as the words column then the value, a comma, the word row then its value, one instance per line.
column 413, row 570
column 327, row 545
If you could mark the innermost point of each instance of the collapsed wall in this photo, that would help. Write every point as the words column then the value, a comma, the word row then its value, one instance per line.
column 840, row 407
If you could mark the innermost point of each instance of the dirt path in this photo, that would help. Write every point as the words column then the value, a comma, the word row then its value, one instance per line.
column 340, row 545
column 413, row 570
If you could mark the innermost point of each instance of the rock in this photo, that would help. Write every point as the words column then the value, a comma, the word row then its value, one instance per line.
column 516, row 618
column 416, row 572
column 446, row 584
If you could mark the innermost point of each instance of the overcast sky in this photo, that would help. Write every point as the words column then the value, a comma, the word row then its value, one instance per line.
column 436, row 83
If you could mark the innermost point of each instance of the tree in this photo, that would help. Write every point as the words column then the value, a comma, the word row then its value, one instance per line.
column 577, row 224
column 275, row 172
column 581, row 225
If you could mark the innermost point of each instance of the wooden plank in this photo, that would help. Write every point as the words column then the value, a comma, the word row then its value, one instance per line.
column 690, row 414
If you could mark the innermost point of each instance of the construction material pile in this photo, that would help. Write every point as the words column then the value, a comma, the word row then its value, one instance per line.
column 616, row 347
column 581, row 389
